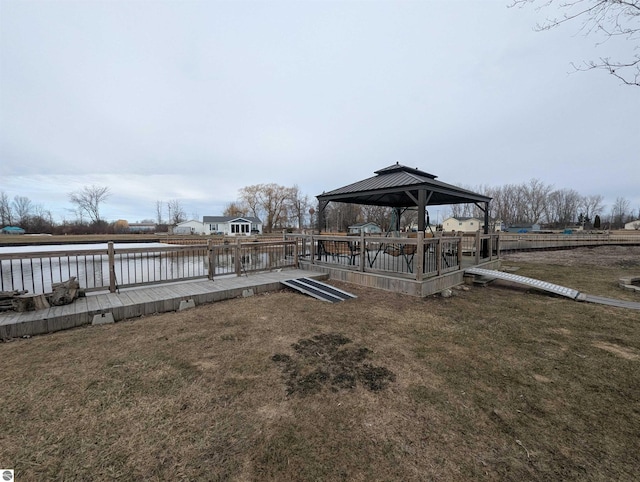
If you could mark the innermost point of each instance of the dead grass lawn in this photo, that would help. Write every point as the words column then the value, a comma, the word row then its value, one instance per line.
column 496, row 383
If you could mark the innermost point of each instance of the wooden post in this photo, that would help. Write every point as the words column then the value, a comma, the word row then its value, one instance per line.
column 439, row 257
column 478, row 247
column 490, row 246
column 211, row 259
column 112, row 267
column 238, row 264
column 361, row 262
column 295, row 254
column 420, row 254
column 312, row 250
column 460, row 252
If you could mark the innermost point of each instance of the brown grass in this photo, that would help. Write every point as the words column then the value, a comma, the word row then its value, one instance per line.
column 496, row 383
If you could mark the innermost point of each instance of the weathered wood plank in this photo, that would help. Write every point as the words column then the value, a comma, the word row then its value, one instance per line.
column 133, row 303
column 93, row 304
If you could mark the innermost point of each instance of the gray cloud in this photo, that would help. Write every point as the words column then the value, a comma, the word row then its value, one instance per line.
column 194, row 100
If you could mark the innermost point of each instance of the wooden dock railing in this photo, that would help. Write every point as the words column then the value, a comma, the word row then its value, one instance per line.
column 117, row 267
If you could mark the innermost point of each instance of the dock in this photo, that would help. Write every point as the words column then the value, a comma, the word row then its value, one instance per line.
column 144, row 300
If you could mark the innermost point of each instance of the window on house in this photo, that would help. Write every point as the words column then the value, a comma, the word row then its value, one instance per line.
column 239, row 228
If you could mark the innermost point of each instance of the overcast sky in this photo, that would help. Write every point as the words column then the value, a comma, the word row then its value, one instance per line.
column 193, row 100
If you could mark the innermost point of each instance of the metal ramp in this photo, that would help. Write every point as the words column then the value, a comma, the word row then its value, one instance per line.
column 318, row 290
column 552, row 288
column 534, row 283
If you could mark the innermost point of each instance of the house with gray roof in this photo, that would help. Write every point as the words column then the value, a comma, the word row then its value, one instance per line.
column 227, row 225
column 232, row 225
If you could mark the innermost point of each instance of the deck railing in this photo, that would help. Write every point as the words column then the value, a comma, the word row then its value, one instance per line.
column 534, row 241
column 416, row 257
column 113, row 267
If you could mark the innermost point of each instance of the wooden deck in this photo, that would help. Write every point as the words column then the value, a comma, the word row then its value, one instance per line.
column 146, row 300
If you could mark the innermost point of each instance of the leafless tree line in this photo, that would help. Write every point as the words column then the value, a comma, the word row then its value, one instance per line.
column 21, row 211
column 175, row 212
column 536, row 202
column 533, row 202
column 281, row 207
column 278, row 207
column 34, row 217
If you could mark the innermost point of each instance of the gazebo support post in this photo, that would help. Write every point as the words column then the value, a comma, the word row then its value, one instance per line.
column 322, row 205
column 422, row 202
column 486, row 251
column 398, row 212
column 322, row 217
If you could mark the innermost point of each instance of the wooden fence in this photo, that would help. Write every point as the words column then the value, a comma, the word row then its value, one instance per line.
column 534, row 241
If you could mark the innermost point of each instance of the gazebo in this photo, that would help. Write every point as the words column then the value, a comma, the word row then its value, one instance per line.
column 401, row 187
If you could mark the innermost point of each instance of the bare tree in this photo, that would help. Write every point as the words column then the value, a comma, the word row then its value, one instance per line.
column 535, row 194
column 591, row 205
column 235, row 209
column 22, row 209
column 339, row 216
column 298, row 206
column 41, row 220
column 88, row 201
column 6, row 212
column 619, row 212
column 159, row 209
column 562, row 207
column 381, row 215
column 250, row 198
column 607, row 19
column 269, row 202
column 176, row 212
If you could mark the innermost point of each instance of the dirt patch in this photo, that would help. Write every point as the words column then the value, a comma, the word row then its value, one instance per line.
column 325, row 360
column 620, row 351
column 541, row 378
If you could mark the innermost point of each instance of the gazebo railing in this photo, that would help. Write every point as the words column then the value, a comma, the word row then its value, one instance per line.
column 414, row 256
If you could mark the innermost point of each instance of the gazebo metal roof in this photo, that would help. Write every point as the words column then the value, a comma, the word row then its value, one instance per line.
column 399, row 186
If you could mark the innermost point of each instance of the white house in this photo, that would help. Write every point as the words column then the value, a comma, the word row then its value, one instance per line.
column 634, row 225
column 232, row 225
column 462, row 224
column 227, row 225
column 190, row 227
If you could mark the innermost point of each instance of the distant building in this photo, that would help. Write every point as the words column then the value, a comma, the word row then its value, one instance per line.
column 633, row 225
column 142, row 227
column 12, row 230
column 227, row 225
column 232, row 225
column 523, row 228
column 190, row 227
column 367, row 228
column 462, row 224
